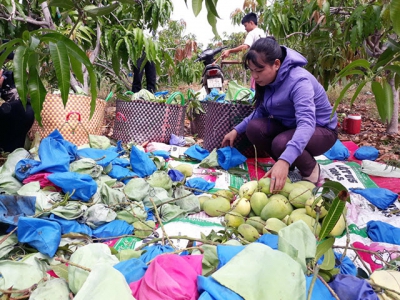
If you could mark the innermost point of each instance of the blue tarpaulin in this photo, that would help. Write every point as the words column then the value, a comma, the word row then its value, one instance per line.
column 13, row 207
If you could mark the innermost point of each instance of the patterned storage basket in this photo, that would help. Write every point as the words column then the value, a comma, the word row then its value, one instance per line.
column 141, row 121
column 221, row 118
column 77, row 110
column 198, row 125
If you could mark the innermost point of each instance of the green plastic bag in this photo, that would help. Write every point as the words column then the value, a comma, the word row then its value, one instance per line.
column 238, row 92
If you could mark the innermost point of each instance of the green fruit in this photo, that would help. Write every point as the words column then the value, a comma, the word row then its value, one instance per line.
column 216, row 207
column 247, row 189
column 258, row 201
column 242, row 206
column 203, row 199
column 286, row 219
column 312, row 212
column 227, row 194
column 248, row 232
column 143, row 229
column 299, row 211
column 276, row 208
column 273, row 225
column 234, row 219
column 311, row 186
column 264, row 185
column 299, row 195
column 185, row 169
column 252, row 214
column 339, row 227
column 287, row 188
column 310, row 221
column 257, row 223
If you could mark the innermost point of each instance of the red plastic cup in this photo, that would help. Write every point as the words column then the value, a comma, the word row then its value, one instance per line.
column 352, row 124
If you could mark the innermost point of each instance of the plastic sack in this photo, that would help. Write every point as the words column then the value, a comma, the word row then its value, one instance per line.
column 99, row 141
column 380, row 197
column 70, row 147
column 215, row 95
column 51, row 289
column 14, row 207
column 119, row 148
column 83, row 186
column 98, row 214
column 113, row 229
column 133, row 269
column 345, row 265
column 179, row 278
column 137, row 189
column 122, row 162
column 377, row 169
column 349, row 287
column 43, row 235
column 121, row 173
column 226, row 253
column 164, row 154
column 141, row 164
column 154, row 251
column 338, row 152
column 229, row 157
column 175, row 175
column 270, row 240
column 320, row 291
column 160, row 179
column 366, row 152
column 379, row 231
column 197, row 152
column 86, row 166
column 238, row 92
column 69, row 226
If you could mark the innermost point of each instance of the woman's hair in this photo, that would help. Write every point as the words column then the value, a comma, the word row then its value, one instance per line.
column 263, row 52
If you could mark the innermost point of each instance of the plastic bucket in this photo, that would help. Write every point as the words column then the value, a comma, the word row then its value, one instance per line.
column 352, row 124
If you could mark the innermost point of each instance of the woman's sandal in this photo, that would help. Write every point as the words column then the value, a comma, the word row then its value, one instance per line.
column 319, row 174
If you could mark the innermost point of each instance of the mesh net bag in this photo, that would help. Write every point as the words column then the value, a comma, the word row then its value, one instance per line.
column 78, row 125
column 143, row 121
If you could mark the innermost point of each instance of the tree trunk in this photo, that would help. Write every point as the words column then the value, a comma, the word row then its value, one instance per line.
column 393, row 126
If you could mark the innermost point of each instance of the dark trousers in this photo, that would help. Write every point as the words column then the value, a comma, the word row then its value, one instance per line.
column 271, row 136
column 14, row 125
column 150, row 70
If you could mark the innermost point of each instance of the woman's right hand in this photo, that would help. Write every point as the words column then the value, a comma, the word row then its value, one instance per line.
column 229, row 138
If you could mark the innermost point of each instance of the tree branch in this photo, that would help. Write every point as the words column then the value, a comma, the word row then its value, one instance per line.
column 47, row 15
column 25, row 20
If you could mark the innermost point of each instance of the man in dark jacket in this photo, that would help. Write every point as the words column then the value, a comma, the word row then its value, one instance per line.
column 15, row 120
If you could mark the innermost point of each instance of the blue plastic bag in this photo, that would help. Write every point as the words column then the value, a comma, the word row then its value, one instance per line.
column 226, row 253
column 141, row 164
column 83, row 185
column 271, row 240
column 122, row 162
column 366, row 152
column 43, row 235
column 210, row 289
column 197, row 152
column 121, row 173
column 69, row 226
column 102, row 157
column 177, row 140
column 346, row 266
column 113, row 229
column 12, row 207
column 164, row 154
column 338, row 152
column 349, row 287
column 54, row 157
column 320, row 291
column 175, row 175
column 229, row 157
column 119, row 149
column 380, row 197
column 153, row 251
column 199, row 184
column 379, row 231
column 133, row 269
column 71, row 148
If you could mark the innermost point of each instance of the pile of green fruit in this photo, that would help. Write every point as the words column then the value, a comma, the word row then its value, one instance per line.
column 255, row 211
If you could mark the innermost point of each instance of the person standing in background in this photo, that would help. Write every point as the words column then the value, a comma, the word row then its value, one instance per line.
column 249, row 22
column 150, row 70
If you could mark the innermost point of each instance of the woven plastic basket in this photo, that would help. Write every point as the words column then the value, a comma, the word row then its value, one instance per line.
column 141, row 121
column 78, row 125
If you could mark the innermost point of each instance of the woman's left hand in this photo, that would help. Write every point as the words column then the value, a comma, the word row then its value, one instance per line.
column 278, row 174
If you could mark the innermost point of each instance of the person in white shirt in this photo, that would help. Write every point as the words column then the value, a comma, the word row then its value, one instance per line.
column 254, row 33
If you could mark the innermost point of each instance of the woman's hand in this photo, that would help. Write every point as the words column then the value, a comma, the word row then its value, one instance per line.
column 1, row 78
column 278, row 174
column 229, row 138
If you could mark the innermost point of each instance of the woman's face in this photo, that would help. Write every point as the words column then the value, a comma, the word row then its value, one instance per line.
column 266, row 74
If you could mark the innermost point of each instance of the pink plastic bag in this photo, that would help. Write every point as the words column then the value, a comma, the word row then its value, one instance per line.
column 169, row 277
column 43, row 181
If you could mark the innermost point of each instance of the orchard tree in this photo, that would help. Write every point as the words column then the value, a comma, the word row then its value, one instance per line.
column 70, row 36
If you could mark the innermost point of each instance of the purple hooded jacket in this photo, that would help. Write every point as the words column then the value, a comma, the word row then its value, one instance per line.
column 298, row 101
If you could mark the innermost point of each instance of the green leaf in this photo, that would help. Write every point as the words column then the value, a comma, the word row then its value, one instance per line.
column 61, row 271
column 67, row 4
column 395, row 11
column 384, row 58
column 237, row 171
column 37, row 91
column 359, row 63
column 323, row 247
column 4, row 55
column 116, row 63
column 20, row 63
column 261, row 2
column 393, row 68
column 196, row 6
column 341, row 95
column 210, row 5
column 93, row 90
column 329, row 260
column 212, row 20
column 357, row 92
column 380, row 99
column 76, row 67
column 334, row 186
column 334, row 213
column 101, row 11
column 389, row 100
column 59, row 55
